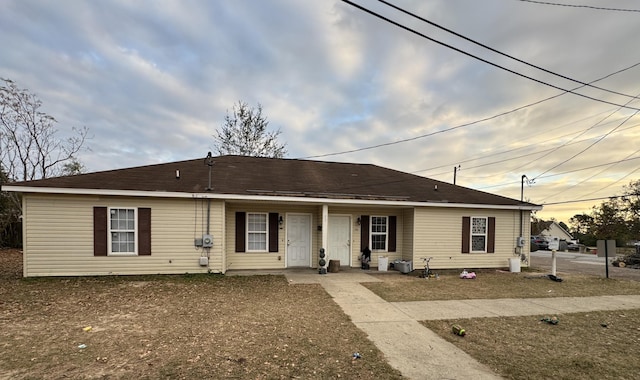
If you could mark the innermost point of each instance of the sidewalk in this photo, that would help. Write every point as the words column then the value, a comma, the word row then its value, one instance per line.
column 419, row 353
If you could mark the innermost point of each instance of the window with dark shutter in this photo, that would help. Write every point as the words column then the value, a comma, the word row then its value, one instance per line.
column 466, row 231
column 241, row 218
column 100, row 231
column 478, row 234
column 491, row 235
column 273, row 232
column 364, row 231
column 144, row 231
column 392, row 233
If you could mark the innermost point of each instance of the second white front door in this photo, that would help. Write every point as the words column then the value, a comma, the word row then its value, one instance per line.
column 298, row 240
column 339, row 239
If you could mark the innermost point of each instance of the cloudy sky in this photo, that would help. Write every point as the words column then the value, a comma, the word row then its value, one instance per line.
column 153, row 80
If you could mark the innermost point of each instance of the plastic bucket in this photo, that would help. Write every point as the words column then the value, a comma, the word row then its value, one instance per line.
column 514, row 265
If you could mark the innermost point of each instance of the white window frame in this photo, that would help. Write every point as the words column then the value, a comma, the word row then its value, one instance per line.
column 111, row 231
column 372, row 233
column 485, row 234
column 266, row 232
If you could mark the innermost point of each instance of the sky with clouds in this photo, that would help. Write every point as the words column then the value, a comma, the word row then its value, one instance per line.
column 153, row 80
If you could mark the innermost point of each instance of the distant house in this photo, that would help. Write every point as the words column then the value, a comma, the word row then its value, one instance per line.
column 231, row 212
column 556, row 230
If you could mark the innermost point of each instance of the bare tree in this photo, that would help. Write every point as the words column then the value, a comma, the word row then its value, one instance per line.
column 29, row 148
column 245, row 133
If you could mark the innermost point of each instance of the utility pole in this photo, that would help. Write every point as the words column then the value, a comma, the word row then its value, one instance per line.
column 522, row 187
column 455, row 171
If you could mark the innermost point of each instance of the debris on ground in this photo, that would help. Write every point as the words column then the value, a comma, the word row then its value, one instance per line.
column 467, row 275
column 551, row 320
column 554, row 278
column 456, row 329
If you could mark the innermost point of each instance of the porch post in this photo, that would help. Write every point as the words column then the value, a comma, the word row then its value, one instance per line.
column 325, row 227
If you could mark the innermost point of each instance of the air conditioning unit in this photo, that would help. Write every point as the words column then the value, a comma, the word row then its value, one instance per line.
column 207, row 241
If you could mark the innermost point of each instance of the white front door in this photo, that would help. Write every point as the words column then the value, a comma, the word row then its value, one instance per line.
column 339, row 239
column 298, row 240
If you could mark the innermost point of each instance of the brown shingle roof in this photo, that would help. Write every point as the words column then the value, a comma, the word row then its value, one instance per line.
column 240, row 175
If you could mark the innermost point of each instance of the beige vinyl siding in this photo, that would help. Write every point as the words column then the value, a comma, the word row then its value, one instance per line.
column 265, row 260
column 438, row 233
column 355, row 213
column 58, row 236
column 408, row 234
column 277, row 260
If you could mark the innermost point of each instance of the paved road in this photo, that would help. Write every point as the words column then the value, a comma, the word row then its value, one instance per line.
column 570, row 262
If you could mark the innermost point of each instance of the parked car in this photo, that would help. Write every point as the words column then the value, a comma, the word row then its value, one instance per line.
column 573, row 247
column 540, row 242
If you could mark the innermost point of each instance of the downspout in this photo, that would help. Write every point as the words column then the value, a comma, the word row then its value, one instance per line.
column 209, row 188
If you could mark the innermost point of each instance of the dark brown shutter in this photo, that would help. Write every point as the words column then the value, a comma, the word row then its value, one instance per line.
column 273, row 232
column 99, row 231
column 466, row 233
column 144, row 231
column 241, row 218
column 364, row 232
column 491, row 235
column 392, row 233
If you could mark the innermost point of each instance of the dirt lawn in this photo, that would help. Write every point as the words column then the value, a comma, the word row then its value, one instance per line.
column 176, row 327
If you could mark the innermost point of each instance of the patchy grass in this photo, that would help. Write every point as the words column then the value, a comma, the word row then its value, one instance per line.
column 176, row 327
column 578, row 347
column 491, row 284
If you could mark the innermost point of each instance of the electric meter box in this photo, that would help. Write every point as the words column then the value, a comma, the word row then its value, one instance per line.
column 520, row 241
column 207, row 241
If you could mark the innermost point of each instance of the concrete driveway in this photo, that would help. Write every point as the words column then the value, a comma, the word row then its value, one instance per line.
column 570, row 262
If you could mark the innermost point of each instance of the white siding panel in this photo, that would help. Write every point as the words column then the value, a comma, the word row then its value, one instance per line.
column 59, row 236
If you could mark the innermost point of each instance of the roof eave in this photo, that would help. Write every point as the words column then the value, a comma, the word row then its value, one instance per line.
column 262, row 198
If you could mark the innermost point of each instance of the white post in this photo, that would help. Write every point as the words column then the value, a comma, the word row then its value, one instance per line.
column 325, row 229
column 553, row 262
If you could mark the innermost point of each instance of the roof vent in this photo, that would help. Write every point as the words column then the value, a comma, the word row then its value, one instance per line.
column 177, row 174
column 435, row 187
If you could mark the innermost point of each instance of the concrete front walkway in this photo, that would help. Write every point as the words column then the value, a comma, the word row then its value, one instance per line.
column 419, row 353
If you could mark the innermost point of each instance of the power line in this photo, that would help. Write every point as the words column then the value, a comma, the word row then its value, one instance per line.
column 590, row 146
column 563, row 173
column 613, row 183
column 469, row 123
column 581, row 6
column 497, row 51
column 595, row 175
column 479, row 58
column 588, row 200
column 513, row 150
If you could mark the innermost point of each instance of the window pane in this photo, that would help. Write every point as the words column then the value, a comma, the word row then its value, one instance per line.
column 378, row 242
column 479, row 225
column 379, row 224
column 122, row 225
column 478, row 243
column 257, row 242
column 257, row 223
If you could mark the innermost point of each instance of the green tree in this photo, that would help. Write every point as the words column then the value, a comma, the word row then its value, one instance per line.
column 582, row 227
column 630, row 208
column 245, row 133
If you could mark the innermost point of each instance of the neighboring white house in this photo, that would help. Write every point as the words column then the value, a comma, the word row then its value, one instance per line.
column 556, row 230
column 232, row 212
